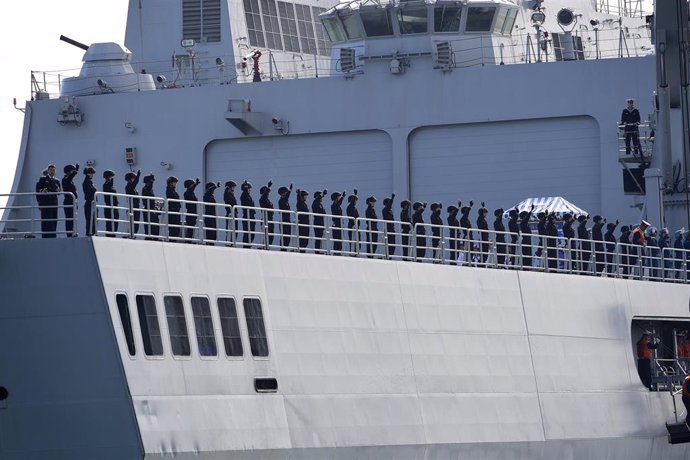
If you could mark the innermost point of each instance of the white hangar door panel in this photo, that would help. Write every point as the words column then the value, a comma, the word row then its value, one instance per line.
column 340, row 161
column 503, row 163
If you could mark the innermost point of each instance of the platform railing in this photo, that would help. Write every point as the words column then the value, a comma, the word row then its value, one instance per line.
column 156, row 218
column 26, row 218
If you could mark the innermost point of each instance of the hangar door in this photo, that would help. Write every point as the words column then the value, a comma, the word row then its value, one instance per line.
column 337, row 161
column 504, row 162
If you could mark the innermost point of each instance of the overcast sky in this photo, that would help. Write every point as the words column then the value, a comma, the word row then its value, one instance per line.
column 30, row 35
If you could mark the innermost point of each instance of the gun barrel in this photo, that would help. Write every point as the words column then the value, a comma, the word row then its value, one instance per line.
column 74, row 42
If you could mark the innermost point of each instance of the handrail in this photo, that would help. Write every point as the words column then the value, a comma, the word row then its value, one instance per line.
column 157, row 218
column 42, row 218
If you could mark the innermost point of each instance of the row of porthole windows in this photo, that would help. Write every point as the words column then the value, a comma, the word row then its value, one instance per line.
column 176, row 318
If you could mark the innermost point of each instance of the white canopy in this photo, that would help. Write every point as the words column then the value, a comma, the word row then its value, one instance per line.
column 556, row 204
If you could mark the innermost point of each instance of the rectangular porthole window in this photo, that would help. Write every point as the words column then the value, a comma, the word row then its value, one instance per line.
column 230, row 326
column 123, row 309
column 203, row 325
column 148, row 322
column 177, row 326
column 479, row 19
column 255, row 327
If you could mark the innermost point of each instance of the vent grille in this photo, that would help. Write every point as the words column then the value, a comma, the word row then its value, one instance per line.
column 201, row 20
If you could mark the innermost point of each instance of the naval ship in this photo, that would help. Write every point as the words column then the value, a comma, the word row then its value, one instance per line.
column 176, row 329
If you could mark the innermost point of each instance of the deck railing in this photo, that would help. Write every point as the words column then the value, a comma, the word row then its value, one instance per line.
column 156, row 218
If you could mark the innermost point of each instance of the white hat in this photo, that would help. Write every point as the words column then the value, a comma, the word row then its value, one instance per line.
column 644, row 222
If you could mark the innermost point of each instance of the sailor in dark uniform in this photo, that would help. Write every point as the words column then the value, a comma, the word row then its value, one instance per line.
column 42, row 199
column 132, row 180
column 337, row 221
column 454, row 224
column 174, row 207
column 266, row 203
column 68, row 200
column 569, row 234
column 284, row 205
column 405, row 226
column 352, row 214
column 466, row 230
column 47, row 188
column 372, row 227
column 319, row 221
column 541, row 230
column 610, row 239
column 499, row 228
column 625, row 240
column 526, row 233
column 417, row 218
column 387, row 214
column 149, row 204
column 598, row 238
column 112, row 213
column 210, row 221
column 436, row 223
column 89, row 195
column 552, row 242
column 191, row 207
column 302, row 219
column 585, row 245
column 483, row 227
column 230, row 202
column 630, row 122
column 248, row 215
column 514, row 229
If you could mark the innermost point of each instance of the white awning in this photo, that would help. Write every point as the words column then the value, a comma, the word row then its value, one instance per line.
column 554, row 204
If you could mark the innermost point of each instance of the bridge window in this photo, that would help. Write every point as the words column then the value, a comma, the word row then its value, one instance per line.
column 254, row 28
column 230, row 326
column 286, row 11
column 255, row 327
column 377, row 22
column 306, row 29
column 510, row 22
column 412, row 20
column 479, row 18
column 333, row 29
column 126, row 320
column 324, row 47
column 352, row 26
column 500, row 20
column 203, row 325
column 177, row 326
column 447, row 18
column 150, row 328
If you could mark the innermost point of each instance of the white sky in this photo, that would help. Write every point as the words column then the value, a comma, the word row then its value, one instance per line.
column 31, row 32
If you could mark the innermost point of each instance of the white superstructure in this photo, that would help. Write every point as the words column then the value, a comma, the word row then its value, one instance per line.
column 128, row 348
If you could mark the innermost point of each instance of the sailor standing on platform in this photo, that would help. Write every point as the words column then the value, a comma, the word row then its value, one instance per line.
column 598, row 238
column 319, row 221
column 624, row 249
column 499, row 228
column 526, row 232
column 387, row 214
column 405, row 227
column 514, row 229
column 210, row 221
column 230, row 202
column 149, row 204
column 585, row 246
column 568, row 231
column 630, row 122
column 483, row 227
column 190, row 207
column 266, row 203
column 47, row 188
column 89, row 195
column 302, row 219
column 248, row 215
column 436, row 223
column 453, row 223
column 417, row 218
column 541, row 230
column 637, row 238
column 132, row 180
column 337, row 221
column 284, row 205
column 352, row 215
column 112, row 213
column 174, row 207
column 372, row 227
column 68, row 200
column 644, row 357
column 552, row 242
column 610, row 239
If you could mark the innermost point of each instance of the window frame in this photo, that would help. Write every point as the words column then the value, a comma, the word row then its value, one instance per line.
column 131, row 324
column 461, row 23
column 167, row 325
column 386, row 10
column 213, row 326
column 263, row 321
column 243, row 333
column 494, row 7
column 158, row 318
